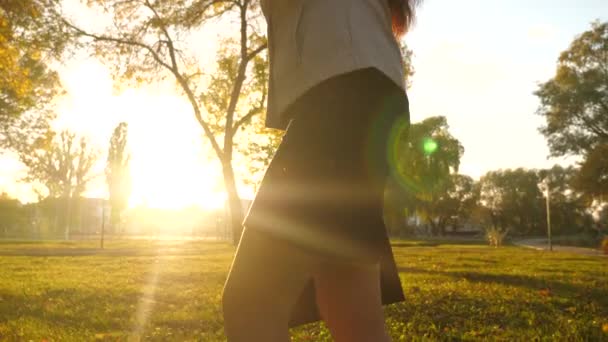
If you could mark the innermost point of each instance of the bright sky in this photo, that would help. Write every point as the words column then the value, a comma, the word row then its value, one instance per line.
column 477, row 63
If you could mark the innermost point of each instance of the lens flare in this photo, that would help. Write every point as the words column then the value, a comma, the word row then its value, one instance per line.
column 429, row 146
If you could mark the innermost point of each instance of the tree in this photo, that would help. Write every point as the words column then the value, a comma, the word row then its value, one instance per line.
column 31, row 36
column 427, row 157
column 12, row 217
column 118, row 175
column 592, row 178
column 63, row 165
column 568, row 205
column 575, row 105
column 459, row 201
column 146, row 42
column 575, row 102
column 408, row 67
column 513, row 200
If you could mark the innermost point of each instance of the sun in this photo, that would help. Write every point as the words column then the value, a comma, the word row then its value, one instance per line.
column 171, row 165
column 168, row 187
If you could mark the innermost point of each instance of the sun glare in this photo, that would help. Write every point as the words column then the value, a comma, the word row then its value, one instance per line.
column 167, row 187
column 172, row 166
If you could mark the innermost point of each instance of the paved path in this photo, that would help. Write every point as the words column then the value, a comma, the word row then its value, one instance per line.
column 542, row 245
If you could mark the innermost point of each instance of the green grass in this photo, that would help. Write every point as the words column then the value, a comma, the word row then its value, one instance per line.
column 171, row 291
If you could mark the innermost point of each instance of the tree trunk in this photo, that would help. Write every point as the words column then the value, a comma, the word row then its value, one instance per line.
column 234, row 203
column 103, row 223
column 433, row 226
column 68, row 217
column 441, row 225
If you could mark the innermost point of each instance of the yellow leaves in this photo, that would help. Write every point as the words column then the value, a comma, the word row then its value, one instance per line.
column 34, row 11
column 605, row 328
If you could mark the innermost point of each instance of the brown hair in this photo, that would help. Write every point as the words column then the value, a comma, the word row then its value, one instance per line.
column 403, row 13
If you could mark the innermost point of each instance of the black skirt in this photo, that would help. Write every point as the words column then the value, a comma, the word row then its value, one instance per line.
column 324, row 189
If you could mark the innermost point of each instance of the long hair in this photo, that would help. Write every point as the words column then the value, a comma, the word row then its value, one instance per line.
column 403, row 13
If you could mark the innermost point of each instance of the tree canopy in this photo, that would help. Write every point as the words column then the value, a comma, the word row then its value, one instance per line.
column 31, row 36
column 575, row 105
column 575, row 101
column 513, row 200
column 592, row 177
column 61, row 162
column 427, row 157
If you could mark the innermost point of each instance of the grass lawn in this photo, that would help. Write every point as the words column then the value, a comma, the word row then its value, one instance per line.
column 171, row 291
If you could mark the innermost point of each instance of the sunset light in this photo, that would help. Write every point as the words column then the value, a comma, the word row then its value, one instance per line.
column 300, row 170
column 171, row 166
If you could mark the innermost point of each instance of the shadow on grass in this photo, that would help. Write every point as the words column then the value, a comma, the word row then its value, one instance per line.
column 36, row 242
column 52, row 308
column 437, row 243
column 529, row 282
column 416, row 244
column 479, row 260
column 578, row 260
column 107, row 311
column 456, row 309
column 141, row 251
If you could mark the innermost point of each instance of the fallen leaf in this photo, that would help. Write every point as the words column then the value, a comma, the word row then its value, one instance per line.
column 546, row 292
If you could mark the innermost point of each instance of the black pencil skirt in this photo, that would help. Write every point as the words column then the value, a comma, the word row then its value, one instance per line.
column 323, row 191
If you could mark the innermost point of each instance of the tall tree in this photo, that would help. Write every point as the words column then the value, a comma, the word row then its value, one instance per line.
column 428, row 155
column 459, row 201
column 513, row 200
column 575, row 103
column 146, row 42
column 63, row 164
column 31, row 36
column 118, row 176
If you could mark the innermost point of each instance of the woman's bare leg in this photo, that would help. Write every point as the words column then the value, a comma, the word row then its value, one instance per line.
column 265, row 281
column 350, row 302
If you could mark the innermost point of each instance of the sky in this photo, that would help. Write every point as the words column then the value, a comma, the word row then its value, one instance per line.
column 477, row 62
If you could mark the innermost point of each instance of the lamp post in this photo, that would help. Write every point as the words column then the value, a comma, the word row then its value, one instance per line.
column 550, row 242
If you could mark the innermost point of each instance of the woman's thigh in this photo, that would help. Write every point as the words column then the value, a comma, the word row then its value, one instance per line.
column 267, row 274
column 350, row 301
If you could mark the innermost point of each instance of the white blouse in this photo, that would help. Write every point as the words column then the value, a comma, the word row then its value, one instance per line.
column 310, row 41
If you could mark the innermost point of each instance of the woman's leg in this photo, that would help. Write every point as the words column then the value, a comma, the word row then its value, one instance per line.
column 349, row 300
column 265, row 281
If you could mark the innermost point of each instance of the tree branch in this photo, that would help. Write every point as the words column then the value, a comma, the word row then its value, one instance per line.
column 253, row 111
column 163, row 28
column 103, row 38
column 237, row 86
column 172, row 68
column 255, row 52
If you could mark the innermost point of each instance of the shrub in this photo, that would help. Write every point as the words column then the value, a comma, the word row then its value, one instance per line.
column 495, row 236
column 605, row 245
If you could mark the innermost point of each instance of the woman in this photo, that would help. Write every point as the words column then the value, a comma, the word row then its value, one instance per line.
column 315, row 245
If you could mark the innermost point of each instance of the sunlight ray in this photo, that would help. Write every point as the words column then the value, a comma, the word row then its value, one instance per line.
column 147, row 300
